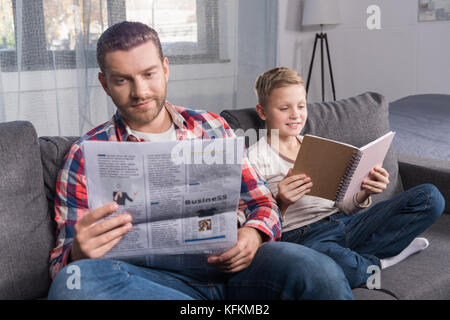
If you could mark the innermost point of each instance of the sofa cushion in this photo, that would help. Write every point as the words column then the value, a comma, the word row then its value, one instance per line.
column 372, row 294
column 26, row 236
column 356, row 120
column 53, row 151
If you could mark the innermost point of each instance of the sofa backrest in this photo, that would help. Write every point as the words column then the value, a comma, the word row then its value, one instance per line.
column 26, row 236
column 356, row 120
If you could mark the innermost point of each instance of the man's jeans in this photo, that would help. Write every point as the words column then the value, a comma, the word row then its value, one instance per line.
column 279, row 270
column 382, row 231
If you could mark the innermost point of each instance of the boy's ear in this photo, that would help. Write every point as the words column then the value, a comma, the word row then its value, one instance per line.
column 261, row 112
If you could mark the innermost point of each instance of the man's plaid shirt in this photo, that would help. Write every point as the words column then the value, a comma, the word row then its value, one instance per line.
column 257, row 208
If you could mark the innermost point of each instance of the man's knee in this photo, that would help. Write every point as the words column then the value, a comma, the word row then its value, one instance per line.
column 311, row 274
column 74, row 281
column 323, row 272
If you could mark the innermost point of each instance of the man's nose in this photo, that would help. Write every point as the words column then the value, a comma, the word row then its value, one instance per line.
column 139, row 89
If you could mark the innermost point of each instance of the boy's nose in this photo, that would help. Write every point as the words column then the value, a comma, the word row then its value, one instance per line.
column 295, row 113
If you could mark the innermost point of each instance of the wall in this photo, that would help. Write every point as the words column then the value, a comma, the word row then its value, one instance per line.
column 258, row 47
column 404, row 57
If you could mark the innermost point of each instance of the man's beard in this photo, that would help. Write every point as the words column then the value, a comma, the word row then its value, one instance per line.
column 138, row 117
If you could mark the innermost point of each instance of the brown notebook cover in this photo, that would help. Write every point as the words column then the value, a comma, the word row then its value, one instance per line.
column 325, row 161
column 337, row 169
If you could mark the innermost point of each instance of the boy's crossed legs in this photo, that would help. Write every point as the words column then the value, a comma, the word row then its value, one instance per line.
column 377, row 236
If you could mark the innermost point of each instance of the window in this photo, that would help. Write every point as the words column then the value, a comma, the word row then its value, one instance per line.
column 7, row 41
column 62, row 34
column 64, row 21
column 188, row 29
column 175, row 21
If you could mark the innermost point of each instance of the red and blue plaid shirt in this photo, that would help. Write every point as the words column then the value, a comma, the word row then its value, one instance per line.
column 257, row 208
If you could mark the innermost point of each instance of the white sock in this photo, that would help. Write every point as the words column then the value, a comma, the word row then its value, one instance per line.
column 418, row 244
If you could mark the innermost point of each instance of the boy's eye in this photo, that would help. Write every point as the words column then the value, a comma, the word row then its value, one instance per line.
column 149, row 74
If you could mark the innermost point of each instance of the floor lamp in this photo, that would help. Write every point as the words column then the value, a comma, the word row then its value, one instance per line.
column 321, row 12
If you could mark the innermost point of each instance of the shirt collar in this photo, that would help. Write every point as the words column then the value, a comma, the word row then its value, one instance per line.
column 124, row 133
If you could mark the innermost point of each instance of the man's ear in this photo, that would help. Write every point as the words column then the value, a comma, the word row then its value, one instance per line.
column 261, row 112
column 102, row 79
column 166, row 68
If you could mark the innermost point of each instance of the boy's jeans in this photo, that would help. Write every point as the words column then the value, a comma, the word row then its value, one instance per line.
column 382, row 231
column 279, row 270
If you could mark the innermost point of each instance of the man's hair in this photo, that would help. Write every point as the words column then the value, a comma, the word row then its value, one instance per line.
column 125, row 35
column 275, row 78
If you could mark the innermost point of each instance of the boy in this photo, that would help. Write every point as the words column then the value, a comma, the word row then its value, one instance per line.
column 355, row 242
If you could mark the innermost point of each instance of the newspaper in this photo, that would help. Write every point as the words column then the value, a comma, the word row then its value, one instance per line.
column 183, row 195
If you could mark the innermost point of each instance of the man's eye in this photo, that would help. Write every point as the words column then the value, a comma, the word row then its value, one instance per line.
column 120, row 81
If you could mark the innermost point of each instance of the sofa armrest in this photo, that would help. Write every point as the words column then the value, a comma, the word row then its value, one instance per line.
column 416, row 170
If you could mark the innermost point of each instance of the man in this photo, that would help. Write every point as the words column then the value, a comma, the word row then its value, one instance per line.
column 134, row 73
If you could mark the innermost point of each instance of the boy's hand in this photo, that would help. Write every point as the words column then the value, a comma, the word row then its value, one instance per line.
column 291, row 189
column 376, row 183
column 94, row 240
column 241, row 255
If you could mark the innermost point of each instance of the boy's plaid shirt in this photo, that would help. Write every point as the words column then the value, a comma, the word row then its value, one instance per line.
column 257, row 208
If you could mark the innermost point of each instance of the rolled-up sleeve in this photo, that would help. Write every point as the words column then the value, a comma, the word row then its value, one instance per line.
column 262, row 212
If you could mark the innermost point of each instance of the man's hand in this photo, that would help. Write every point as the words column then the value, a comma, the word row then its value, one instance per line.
column 376, row 183
column 94, row 240
column 291, row 189
column 241, row 255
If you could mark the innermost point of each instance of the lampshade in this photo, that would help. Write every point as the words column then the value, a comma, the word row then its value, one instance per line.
column 321, row 12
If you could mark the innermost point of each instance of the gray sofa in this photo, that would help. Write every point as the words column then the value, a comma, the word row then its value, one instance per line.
column 29, row 166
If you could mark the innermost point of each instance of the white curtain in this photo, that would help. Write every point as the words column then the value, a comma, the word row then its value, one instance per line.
column 48, row 69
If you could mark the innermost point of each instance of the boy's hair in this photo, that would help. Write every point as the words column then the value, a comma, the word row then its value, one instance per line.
column 125, row 35
column 275, row 78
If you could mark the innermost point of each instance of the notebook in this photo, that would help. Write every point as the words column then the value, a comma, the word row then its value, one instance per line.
column 337, row 169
